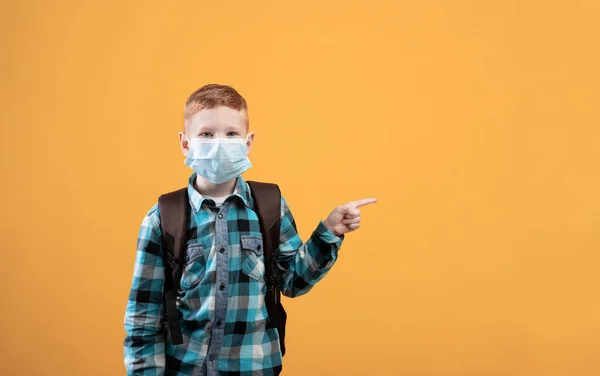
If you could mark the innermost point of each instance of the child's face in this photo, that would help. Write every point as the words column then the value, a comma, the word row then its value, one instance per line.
column 218, row 122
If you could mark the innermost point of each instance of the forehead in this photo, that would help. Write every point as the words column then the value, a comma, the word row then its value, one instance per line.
column 217, row 118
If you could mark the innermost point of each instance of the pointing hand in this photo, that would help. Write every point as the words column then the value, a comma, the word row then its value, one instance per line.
column 346, row 218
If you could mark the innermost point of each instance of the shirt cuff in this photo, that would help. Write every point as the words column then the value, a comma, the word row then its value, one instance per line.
column 326, row 235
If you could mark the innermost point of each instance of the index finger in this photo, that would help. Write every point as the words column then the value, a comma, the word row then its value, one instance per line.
column 365, row 201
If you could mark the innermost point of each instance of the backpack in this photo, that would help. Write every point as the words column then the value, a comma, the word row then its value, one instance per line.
column 174, row 210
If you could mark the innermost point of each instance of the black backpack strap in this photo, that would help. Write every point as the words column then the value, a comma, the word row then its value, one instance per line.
column 267, row 204
column 174, row 216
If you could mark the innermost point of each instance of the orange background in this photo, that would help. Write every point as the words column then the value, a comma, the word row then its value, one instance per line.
column 474, row 123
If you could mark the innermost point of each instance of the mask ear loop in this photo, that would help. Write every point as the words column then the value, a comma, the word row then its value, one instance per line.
column 188, row 145
column 248, row 146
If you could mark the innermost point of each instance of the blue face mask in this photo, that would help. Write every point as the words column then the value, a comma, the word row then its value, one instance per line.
column 218, row 159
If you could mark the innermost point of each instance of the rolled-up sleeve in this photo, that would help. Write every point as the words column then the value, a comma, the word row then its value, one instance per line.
column 302, row 265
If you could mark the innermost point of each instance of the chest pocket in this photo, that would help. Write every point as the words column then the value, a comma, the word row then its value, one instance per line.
column 253, row 261
column 194, row 266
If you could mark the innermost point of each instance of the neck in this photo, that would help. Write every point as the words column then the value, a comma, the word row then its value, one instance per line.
column 208, row 188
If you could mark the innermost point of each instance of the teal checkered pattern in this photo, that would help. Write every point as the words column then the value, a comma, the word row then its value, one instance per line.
column 221, row 296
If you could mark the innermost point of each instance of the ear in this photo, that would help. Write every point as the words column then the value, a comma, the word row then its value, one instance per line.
column 249, row 142
column 184, row 143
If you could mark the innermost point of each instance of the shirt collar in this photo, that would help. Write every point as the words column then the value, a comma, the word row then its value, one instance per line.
column 241, row 190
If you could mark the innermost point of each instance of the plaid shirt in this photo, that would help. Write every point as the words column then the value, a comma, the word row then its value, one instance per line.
column 221, row 296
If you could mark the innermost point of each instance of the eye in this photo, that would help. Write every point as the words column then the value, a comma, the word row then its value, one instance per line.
column 205, row 135
column 232, row 134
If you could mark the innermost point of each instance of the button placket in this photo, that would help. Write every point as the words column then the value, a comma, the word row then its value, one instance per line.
column 222, row 277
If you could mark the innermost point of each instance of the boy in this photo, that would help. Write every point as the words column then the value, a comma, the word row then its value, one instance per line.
column 221, row 298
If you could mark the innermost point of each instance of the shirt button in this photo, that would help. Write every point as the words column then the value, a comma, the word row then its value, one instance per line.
column 258, row 247
column 222, row 249
column 220, row 216
column 219, row 324
column 212, row 357
column 222, row 287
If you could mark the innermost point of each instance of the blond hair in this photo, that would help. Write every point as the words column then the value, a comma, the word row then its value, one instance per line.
column 212, row 96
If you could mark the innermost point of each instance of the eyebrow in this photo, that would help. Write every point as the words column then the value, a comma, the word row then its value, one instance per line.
column 205, row 129
column 208, row 129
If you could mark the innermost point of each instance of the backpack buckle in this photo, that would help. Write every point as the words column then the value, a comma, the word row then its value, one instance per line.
column 173, row 262
column 271, row 282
